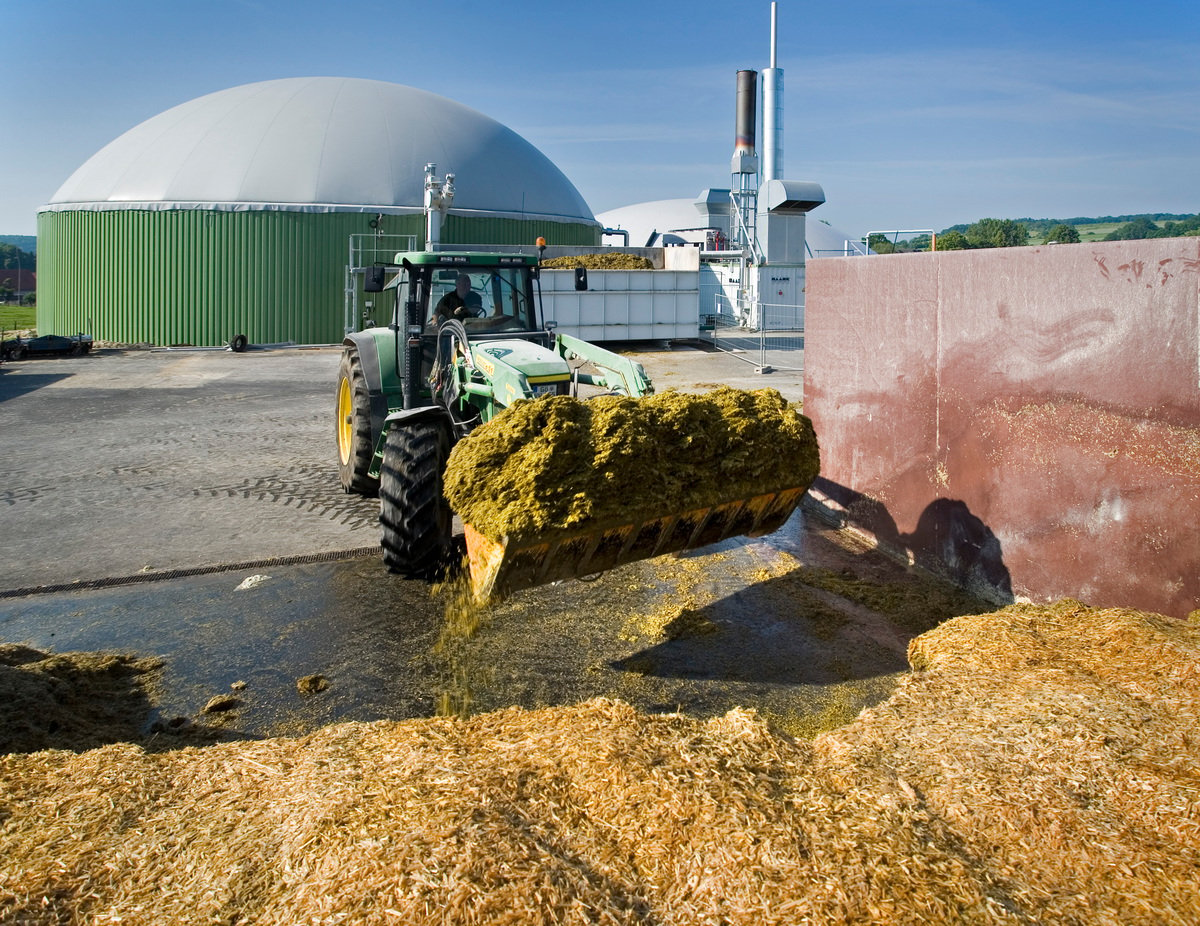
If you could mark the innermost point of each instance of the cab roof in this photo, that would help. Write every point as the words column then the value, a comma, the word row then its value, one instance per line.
column 465, row 258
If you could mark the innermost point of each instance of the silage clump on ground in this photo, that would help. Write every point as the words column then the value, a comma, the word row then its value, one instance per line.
column 71, row 700
column 557, row 463
column 1041, row 765
column 615, row 261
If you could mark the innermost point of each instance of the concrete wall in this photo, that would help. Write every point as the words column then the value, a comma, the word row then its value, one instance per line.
column 1027, row 419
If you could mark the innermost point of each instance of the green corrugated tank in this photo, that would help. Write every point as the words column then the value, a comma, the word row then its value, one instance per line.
column 233, row 213
column 202, row 277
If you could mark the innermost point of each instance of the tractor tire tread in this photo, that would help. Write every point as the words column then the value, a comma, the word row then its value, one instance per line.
column 355, row 474
column 414, row 516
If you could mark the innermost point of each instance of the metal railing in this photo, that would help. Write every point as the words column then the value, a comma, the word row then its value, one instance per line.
column 368, row 250
column 848, row 249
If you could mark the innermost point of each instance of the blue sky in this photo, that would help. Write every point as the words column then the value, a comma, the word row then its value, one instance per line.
column 910, row 113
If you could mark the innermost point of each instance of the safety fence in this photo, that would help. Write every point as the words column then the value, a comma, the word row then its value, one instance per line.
column 770, row 338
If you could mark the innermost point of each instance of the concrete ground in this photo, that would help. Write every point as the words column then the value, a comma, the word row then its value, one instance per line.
column 186, row 504
column 129, row 462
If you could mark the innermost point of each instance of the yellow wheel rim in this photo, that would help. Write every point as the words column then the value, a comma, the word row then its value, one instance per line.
column 345, row 420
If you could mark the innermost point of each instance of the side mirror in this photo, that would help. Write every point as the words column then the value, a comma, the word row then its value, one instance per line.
column 374, row 279
column 580, row 279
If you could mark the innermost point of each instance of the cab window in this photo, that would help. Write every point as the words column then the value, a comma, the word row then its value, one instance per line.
column 495, row 301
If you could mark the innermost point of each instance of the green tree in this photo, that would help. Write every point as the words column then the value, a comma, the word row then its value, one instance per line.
column 880, row 245
column 952, row 240
column 997, row 233
column 1062, row 234
column 12, row 257
column 1188, row 226
column 1140, row 227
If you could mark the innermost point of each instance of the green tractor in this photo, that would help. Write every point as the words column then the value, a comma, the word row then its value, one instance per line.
column 464, row 342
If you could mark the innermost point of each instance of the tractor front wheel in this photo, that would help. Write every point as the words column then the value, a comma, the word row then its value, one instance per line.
column 413, row 513
column 352, row 427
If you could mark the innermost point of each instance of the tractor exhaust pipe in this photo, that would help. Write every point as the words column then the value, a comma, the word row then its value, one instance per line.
column 439, row 194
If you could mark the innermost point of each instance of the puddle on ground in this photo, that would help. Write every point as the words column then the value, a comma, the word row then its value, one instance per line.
column 743, row 624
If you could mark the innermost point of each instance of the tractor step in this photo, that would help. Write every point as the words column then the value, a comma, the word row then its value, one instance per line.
column 500, row 568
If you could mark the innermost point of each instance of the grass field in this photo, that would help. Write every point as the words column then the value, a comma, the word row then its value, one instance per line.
column 1087, row 232
column 1097, row 232
column 14, row 318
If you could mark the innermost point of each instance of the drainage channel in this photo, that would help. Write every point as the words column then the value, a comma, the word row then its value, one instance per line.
column 301, row 559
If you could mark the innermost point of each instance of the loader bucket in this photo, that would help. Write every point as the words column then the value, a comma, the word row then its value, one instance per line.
column 499, row 568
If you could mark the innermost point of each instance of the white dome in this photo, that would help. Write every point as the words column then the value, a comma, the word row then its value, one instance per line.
column 321, row 144
column 644, row 220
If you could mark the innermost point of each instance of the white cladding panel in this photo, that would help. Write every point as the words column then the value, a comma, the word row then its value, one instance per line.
column 780, row 304
column 624, row 305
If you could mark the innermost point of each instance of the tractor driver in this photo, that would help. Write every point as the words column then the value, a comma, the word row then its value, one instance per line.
column 461, row 302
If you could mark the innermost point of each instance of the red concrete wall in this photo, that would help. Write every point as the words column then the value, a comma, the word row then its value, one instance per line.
column 1026, row 418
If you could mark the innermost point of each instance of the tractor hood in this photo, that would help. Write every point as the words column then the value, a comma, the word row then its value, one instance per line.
column 520, row 369
column 534, row 362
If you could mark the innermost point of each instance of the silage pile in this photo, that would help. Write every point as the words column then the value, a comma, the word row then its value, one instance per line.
column 70, row 700
column 1042, row 765
column 617, row 260
column 558, row 462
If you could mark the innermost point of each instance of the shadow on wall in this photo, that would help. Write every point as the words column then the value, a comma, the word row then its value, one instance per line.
column 948, row 540
column 1053, row 390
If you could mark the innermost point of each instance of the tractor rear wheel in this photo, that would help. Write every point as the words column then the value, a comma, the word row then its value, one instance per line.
column 413, row 513
column 352, row 427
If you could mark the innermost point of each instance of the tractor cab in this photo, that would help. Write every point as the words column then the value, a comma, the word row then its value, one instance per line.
column 490, row 294
column 471, row 333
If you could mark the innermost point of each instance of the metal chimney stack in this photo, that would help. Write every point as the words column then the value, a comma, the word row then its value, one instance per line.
column 743, row 192
column 745, row 158
column 772, row 161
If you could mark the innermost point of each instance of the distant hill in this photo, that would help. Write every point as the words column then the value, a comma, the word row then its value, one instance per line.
column 1112, row 219
column 994, row 232
column 27, row 243
column 1039, row 227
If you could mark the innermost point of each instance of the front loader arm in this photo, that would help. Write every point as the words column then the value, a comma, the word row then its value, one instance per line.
column 618, row 374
